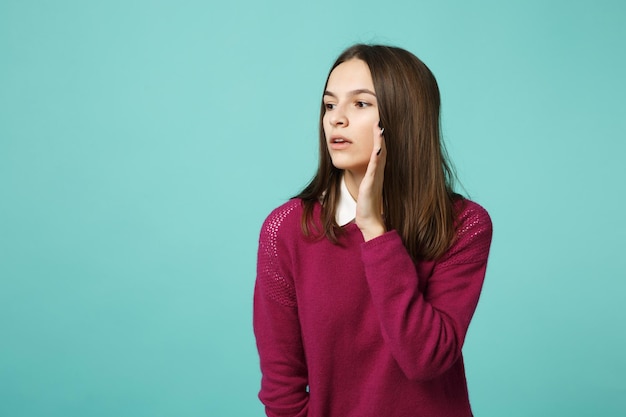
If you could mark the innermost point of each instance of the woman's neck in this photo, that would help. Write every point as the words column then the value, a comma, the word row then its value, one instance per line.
column 353, row 182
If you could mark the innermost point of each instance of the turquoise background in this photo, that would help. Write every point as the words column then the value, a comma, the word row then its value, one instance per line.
column 142, row 143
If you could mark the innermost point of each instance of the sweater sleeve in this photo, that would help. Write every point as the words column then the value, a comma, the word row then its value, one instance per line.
column 277, row 327
column 425, row 330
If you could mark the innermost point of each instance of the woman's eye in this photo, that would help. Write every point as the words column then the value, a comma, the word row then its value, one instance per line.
column 362, row 104
column 329, row 106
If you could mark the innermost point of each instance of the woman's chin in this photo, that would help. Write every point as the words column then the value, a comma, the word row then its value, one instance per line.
column 343, row 164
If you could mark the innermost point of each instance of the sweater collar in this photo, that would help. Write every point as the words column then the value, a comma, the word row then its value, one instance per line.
column 346, row 208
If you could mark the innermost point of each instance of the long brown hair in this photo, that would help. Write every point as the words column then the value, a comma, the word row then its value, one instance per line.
column 418, row 196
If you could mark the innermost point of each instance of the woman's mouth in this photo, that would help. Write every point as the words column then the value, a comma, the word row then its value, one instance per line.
column 339, row 142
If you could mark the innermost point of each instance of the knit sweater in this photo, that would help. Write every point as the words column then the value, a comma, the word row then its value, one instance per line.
column 357, row 329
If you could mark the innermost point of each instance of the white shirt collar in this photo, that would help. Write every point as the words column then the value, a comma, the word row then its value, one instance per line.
column 346, row 208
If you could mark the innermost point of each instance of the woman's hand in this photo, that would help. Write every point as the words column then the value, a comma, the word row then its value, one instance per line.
column 369, row 207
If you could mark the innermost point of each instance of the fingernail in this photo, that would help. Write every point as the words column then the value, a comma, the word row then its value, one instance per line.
column 379, row 149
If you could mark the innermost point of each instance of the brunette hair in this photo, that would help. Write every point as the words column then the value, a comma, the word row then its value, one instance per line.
column 418, row 196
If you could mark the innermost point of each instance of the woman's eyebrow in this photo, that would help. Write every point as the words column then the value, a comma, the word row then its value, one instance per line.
column 352, row 93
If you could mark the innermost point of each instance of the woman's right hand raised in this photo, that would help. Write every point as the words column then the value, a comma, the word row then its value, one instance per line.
column 369, row 207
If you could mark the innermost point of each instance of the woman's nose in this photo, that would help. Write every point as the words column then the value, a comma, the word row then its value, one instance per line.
column 338, row 117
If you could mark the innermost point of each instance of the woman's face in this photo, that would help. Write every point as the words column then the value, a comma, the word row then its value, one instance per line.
column 351, row 116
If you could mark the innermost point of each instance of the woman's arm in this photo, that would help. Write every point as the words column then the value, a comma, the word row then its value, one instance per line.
column 425, row 331
column 277, row 328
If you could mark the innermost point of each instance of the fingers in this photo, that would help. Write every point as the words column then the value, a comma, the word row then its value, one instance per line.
column 379, row 140
column 379, row 151
column 378, row 157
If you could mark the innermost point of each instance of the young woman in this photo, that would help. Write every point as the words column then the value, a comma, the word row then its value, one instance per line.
column 368, row 279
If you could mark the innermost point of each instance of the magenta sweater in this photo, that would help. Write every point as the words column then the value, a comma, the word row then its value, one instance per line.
column 357, row 329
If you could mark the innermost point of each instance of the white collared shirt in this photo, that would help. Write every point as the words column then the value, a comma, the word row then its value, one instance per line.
column 346, row 208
